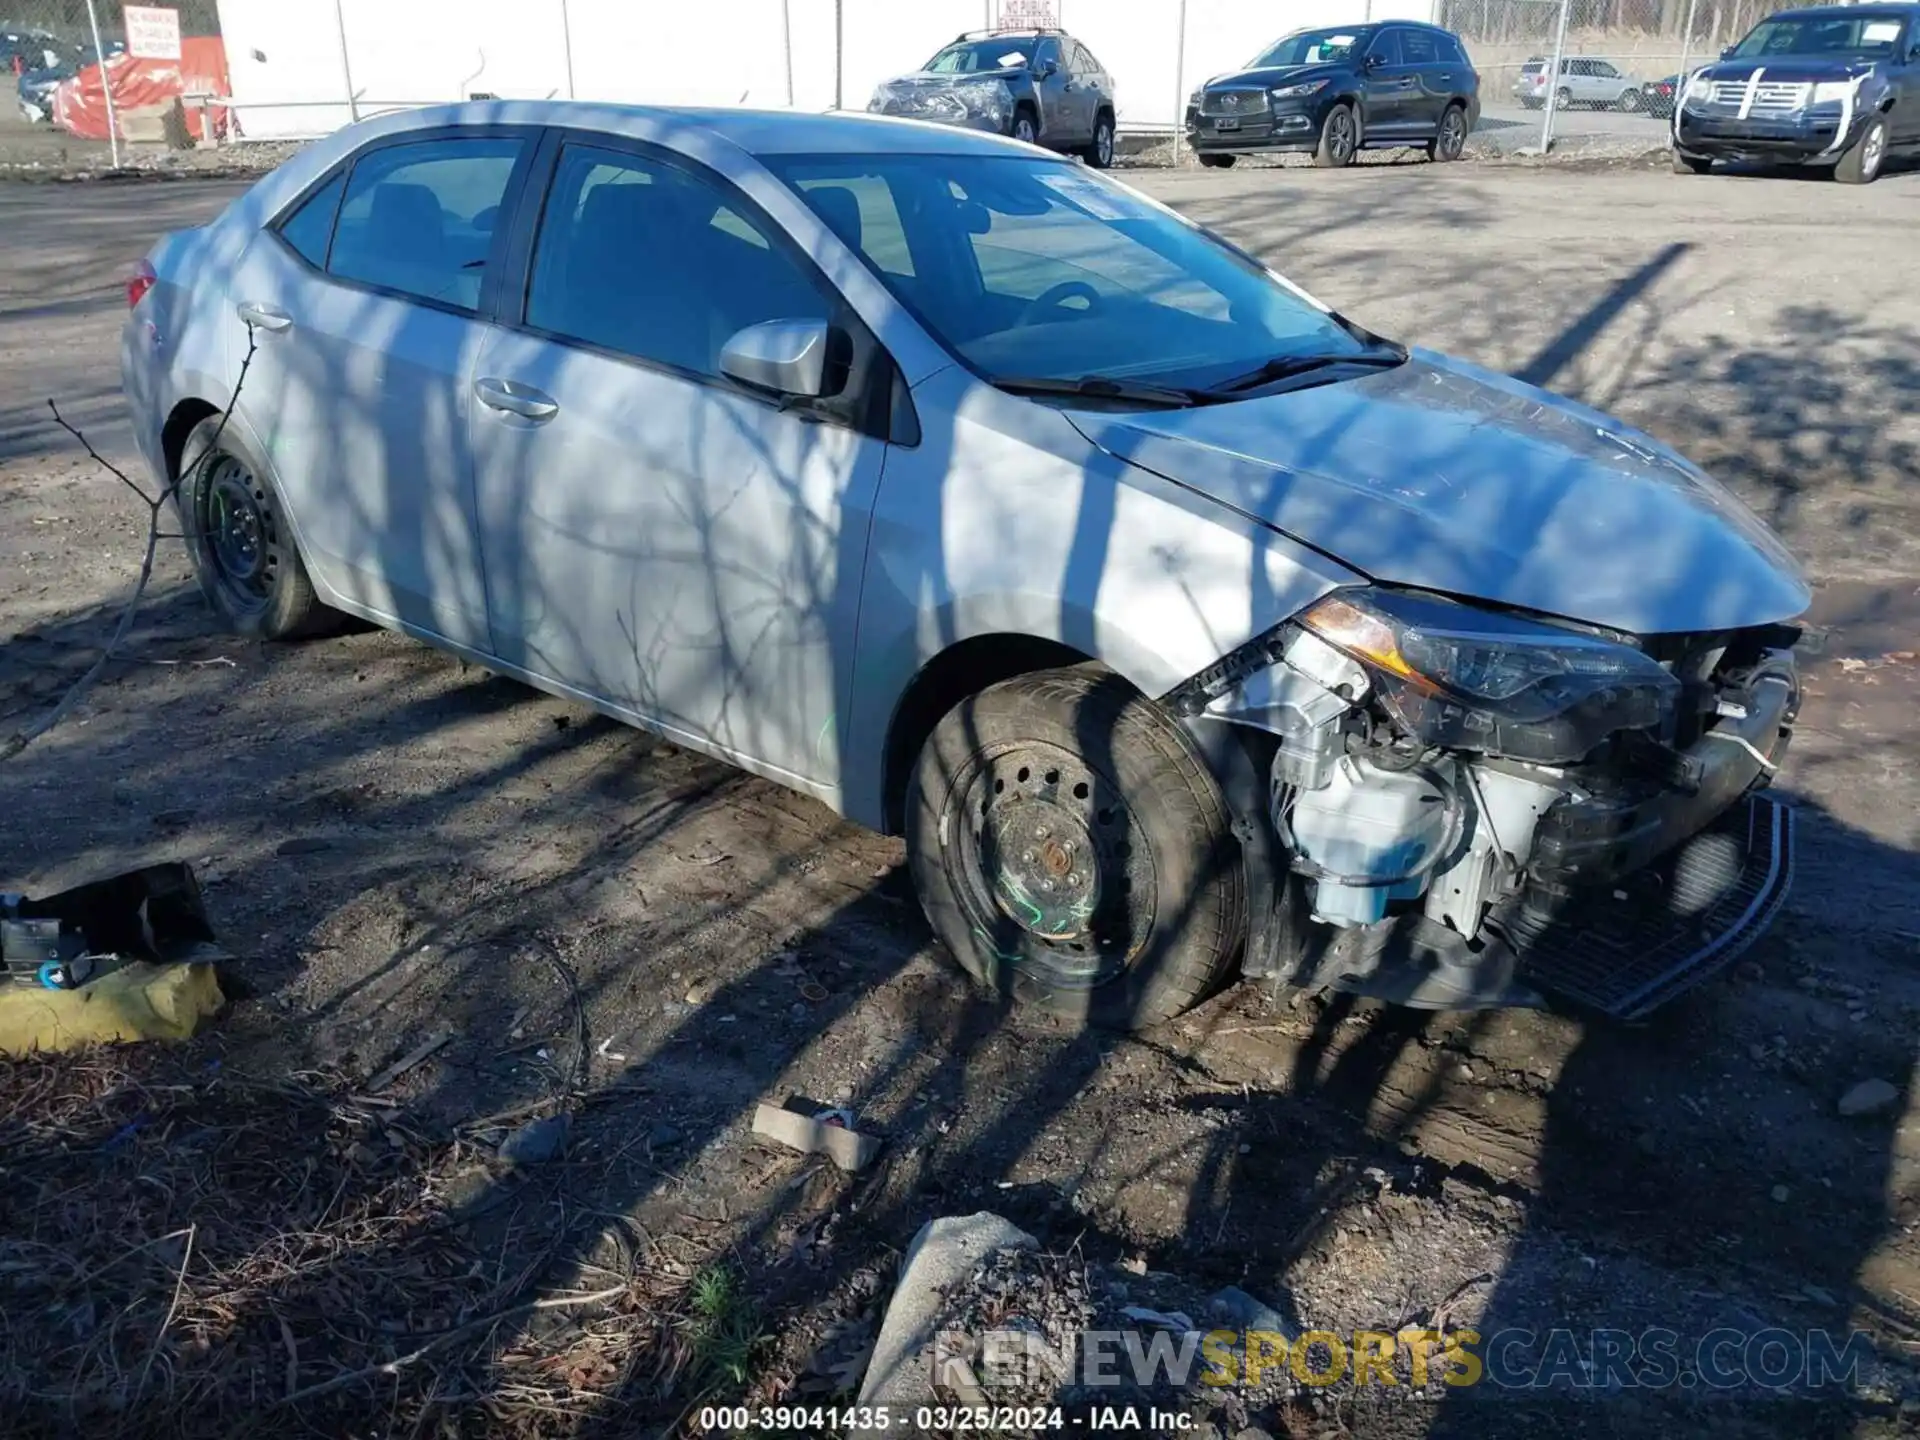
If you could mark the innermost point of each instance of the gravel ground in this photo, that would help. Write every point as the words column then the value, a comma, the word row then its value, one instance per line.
column 398, row 845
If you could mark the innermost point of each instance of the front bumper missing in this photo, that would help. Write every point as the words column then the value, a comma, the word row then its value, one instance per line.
column 1623, row 950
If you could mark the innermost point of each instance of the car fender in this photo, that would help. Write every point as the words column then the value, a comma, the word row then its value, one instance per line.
column 1006, row 521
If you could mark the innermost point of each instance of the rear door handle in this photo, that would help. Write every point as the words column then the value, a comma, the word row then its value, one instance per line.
column 515, row 399
column 264, row 317
column 1407, row 83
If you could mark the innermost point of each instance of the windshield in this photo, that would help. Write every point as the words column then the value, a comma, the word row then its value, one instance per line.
column 1312, row 47
column 1822, row 35
column 971, row 55
column 1038, row 268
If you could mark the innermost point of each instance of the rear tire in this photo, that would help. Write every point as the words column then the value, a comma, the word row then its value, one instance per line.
column 1218, row 162
column 1688, row 165
column 1026, row 126
column 1074, row 853
column 1450, row 140
column 1861, row 164
column 1099, row 151
column 1563, row 99
column 1339, row 138
column 1629, row 102
column 242, row 549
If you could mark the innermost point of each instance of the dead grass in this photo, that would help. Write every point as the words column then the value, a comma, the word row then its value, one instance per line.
column 188, row 1250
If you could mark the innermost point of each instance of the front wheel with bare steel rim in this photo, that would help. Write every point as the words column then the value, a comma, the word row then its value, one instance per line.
column 1073, row 851
column 243, row 554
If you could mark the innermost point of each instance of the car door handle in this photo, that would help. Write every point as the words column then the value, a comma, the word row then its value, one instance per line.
column 1407, row 83
column 515, row 399
column 264, row 317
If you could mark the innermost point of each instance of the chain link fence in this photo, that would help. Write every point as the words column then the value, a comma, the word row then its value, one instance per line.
column 1623, row 55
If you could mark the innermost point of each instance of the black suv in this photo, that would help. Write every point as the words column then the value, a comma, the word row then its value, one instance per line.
column 1334, row 92
column 1040, row 86
column 1838, row 86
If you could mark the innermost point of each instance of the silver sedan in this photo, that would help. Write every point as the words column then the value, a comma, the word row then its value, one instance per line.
column 1178, row 622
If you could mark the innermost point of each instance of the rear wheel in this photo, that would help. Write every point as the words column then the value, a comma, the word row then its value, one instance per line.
column 1563, row 99
column 1629, row 101
column 1689, row 165
column 1451, row 138
column 242, row 551
column 1099, row 151
column 1218, row 162
column 1073, row 852
column 1861, row 164
column 1339, row 138
column 1026, row 128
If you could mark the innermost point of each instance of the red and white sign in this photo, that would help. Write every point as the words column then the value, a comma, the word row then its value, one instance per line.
column 1028, row 15
column 153, row 32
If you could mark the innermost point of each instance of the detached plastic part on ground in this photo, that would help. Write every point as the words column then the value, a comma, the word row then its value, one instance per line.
column 126, row 958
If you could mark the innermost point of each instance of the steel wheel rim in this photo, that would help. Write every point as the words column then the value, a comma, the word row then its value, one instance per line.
column 1051, row 868
column 239, row 534
column 1341, row 142
column 1023, row 130
column 1103, row 144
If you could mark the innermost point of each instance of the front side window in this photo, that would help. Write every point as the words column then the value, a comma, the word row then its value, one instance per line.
column 1417, row 48
column 420, row 218
column 1312, row 47
column 1385, row 49
column 1037, row 268
column 649, row 260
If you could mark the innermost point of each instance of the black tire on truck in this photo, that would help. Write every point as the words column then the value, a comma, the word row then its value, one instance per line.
column 1074, row 853
column 1861, row 164
column 238, row 538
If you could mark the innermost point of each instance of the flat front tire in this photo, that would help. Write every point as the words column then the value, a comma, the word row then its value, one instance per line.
column 239, row 541
column 1218, row 162
column 1074, row 853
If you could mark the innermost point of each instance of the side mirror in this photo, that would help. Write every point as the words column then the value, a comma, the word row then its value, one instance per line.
column 1727, row 54
column 786, row 357
column 1372, row 62
column 1049, row 69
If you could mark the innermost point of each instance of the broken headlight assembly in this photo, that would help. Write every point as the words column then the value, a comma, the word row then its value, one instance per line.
column 1457, row 677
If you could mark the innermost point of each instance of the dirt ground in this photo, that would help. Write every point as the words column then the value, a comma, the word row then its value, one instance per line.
column 399, row 846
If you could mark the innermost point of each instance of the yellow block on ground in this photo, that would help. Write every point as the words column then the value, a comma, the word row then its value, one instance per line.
column 140, row 1002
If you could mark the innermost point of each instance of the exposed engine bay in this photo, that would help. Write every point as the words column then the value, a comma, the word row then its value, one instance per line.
column 1460, row 793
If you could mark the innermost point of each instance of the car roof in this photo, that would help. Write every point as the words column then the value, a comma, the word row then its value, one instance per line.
column 757, row 132
column 1836, row 12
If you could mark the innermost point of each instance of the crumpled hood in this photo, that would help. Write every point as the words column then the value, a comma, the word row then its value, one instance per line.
column 1447, row 477
column 937, row 80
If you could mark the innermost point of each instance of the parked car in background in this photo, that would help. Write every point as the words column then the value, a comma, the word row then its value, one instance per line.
column 30, row 49
column 1584, row 81
column 1176, row 621
column 1040, row 86
column 1333, row 92
column 36, row 91
column 1833, row 86
column 1657, row 96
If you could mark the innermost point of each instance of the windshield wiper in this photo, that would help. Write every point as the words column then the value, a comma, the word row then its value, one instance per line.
column 1285, row 367
column 1100, row 387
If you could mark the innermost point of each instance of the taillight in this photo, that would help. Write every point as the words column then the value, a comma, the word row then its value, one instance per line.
column 142, row 280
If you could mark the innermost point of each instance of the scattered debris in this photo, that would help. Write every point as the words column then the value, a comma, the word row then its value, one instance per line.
column 303, row 845
column 828, row 1133
column 606, row 1053
column 136, row 1002
column 536, row 1142
column 1869, row 1097
column 406, row 1062
column 1780, row 1194
column 1174, row 1320
column 1241, row 1311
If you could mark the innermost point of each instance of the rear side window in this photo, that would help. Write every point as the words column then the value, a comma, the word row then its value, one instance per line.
column 1417, row 48
column 309, row 229
column 1450, row 49
column 420, row 218
column 647, row 260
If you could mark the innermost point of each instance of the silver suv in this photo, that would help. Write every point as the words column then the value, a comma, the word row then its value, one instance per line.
column 1179, row 623
column 1584, row 80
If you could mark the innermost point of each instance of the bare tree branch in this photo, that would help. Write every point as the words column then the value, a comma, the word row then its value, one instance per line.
column 155, row 504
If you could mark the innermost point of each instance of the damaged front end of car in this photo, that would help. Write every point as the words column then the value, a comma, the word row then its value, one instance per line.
column 1466, row 807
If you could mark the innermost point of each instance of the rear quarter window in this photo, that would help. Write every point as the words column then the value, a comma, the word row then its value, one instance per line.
column 308, row 231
